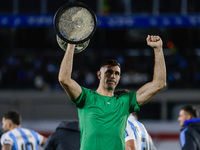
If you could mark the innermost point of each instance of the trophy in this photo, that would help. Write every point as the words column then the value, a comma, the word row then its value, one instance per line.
column 74, row 23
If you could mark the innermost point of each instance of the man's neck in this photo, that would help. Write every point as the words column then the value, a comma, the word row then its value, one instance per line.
column 105, row 92
column 14, row 126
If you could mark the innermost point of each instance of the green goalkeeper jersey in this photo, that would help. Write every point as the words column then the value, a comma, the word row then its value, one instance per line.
column 102, row 119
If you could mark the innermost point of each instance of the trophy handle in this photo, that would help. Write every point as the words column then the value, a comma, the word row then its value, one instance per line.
column 78, row 47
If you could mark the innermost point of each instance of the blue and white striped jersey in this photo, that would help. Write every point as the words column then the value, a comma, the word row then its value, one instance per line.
column 22, row 139
column 137, row 132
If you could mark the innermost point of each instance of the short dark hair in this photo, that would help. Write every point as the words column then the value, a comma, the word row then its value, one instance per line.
column 14, row 116
column 111, row 62
column 191, row 110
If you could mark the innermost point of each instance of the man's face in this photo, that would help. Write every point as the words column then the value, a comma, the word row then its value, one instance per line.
column 5, row 124
column 182, row 117
column 109, row 76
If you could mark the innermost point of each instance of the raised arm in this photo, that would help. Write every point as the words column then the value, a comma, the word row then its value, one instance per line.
column 149, row 90
column 71, row 87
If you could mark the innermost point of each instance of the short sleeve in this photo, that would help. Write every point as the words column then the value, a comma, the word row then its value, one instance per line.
column 37, row 136
column 133, row 102
column 6, row 139
column 80, row 101
column 40, row 138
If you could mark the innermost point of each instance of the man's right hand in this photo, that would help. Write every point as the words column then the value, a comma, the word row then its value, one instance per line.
column 154, row 41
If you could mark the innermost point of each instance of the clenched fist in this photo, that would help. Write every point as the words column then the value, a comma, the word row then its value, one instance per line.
column 154, row 41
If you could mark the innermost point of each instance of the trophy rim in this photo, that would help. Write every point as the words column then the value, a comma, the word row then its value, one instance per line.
column 59, row 13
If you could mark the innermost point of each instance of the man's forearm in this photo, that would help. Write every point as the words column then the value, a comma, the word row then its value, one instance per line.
column 159, row 67
column 66, row 64
column 71, row 87
column 150, row 89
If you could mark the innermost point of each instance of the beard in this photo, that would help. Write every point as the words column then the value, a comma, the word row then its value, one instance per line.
column 111, row 86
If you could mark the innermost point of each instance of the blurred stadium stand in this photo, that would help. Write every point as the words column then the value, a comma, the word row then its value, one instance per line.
column 29, row 50
column 30, row 58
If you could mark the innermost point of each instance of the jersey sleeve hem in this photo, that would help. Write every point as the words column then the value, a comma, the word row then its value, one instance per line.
column 78, row 102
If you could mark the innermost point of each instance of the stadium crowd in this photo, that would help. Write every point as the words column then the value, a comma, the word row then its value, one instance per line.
column 29, row 69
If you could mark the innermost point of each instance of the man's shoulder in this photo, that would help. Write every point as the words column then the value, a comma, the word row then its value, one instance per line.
column 5, row 134
column 86, row 90
column 9, row 132
column 132, row 121
column 24, row 130
column 193, row 128
column 190, row 131
column 6, row 138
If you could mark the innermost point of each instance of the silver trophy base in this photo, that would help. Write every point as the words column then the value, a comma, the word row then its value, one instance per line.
column 78, row 47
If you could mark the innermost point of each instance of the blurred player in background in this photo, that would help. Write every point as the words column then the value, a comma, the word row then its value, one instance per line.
column 16, row 137
column 190, row 132
column 66, row 137
column 137, row 137
column 103, row 116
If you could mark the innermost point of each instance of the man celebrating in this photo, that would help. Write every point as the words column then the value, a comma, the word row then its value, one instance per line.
column 102, row 115
column 17, row 138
